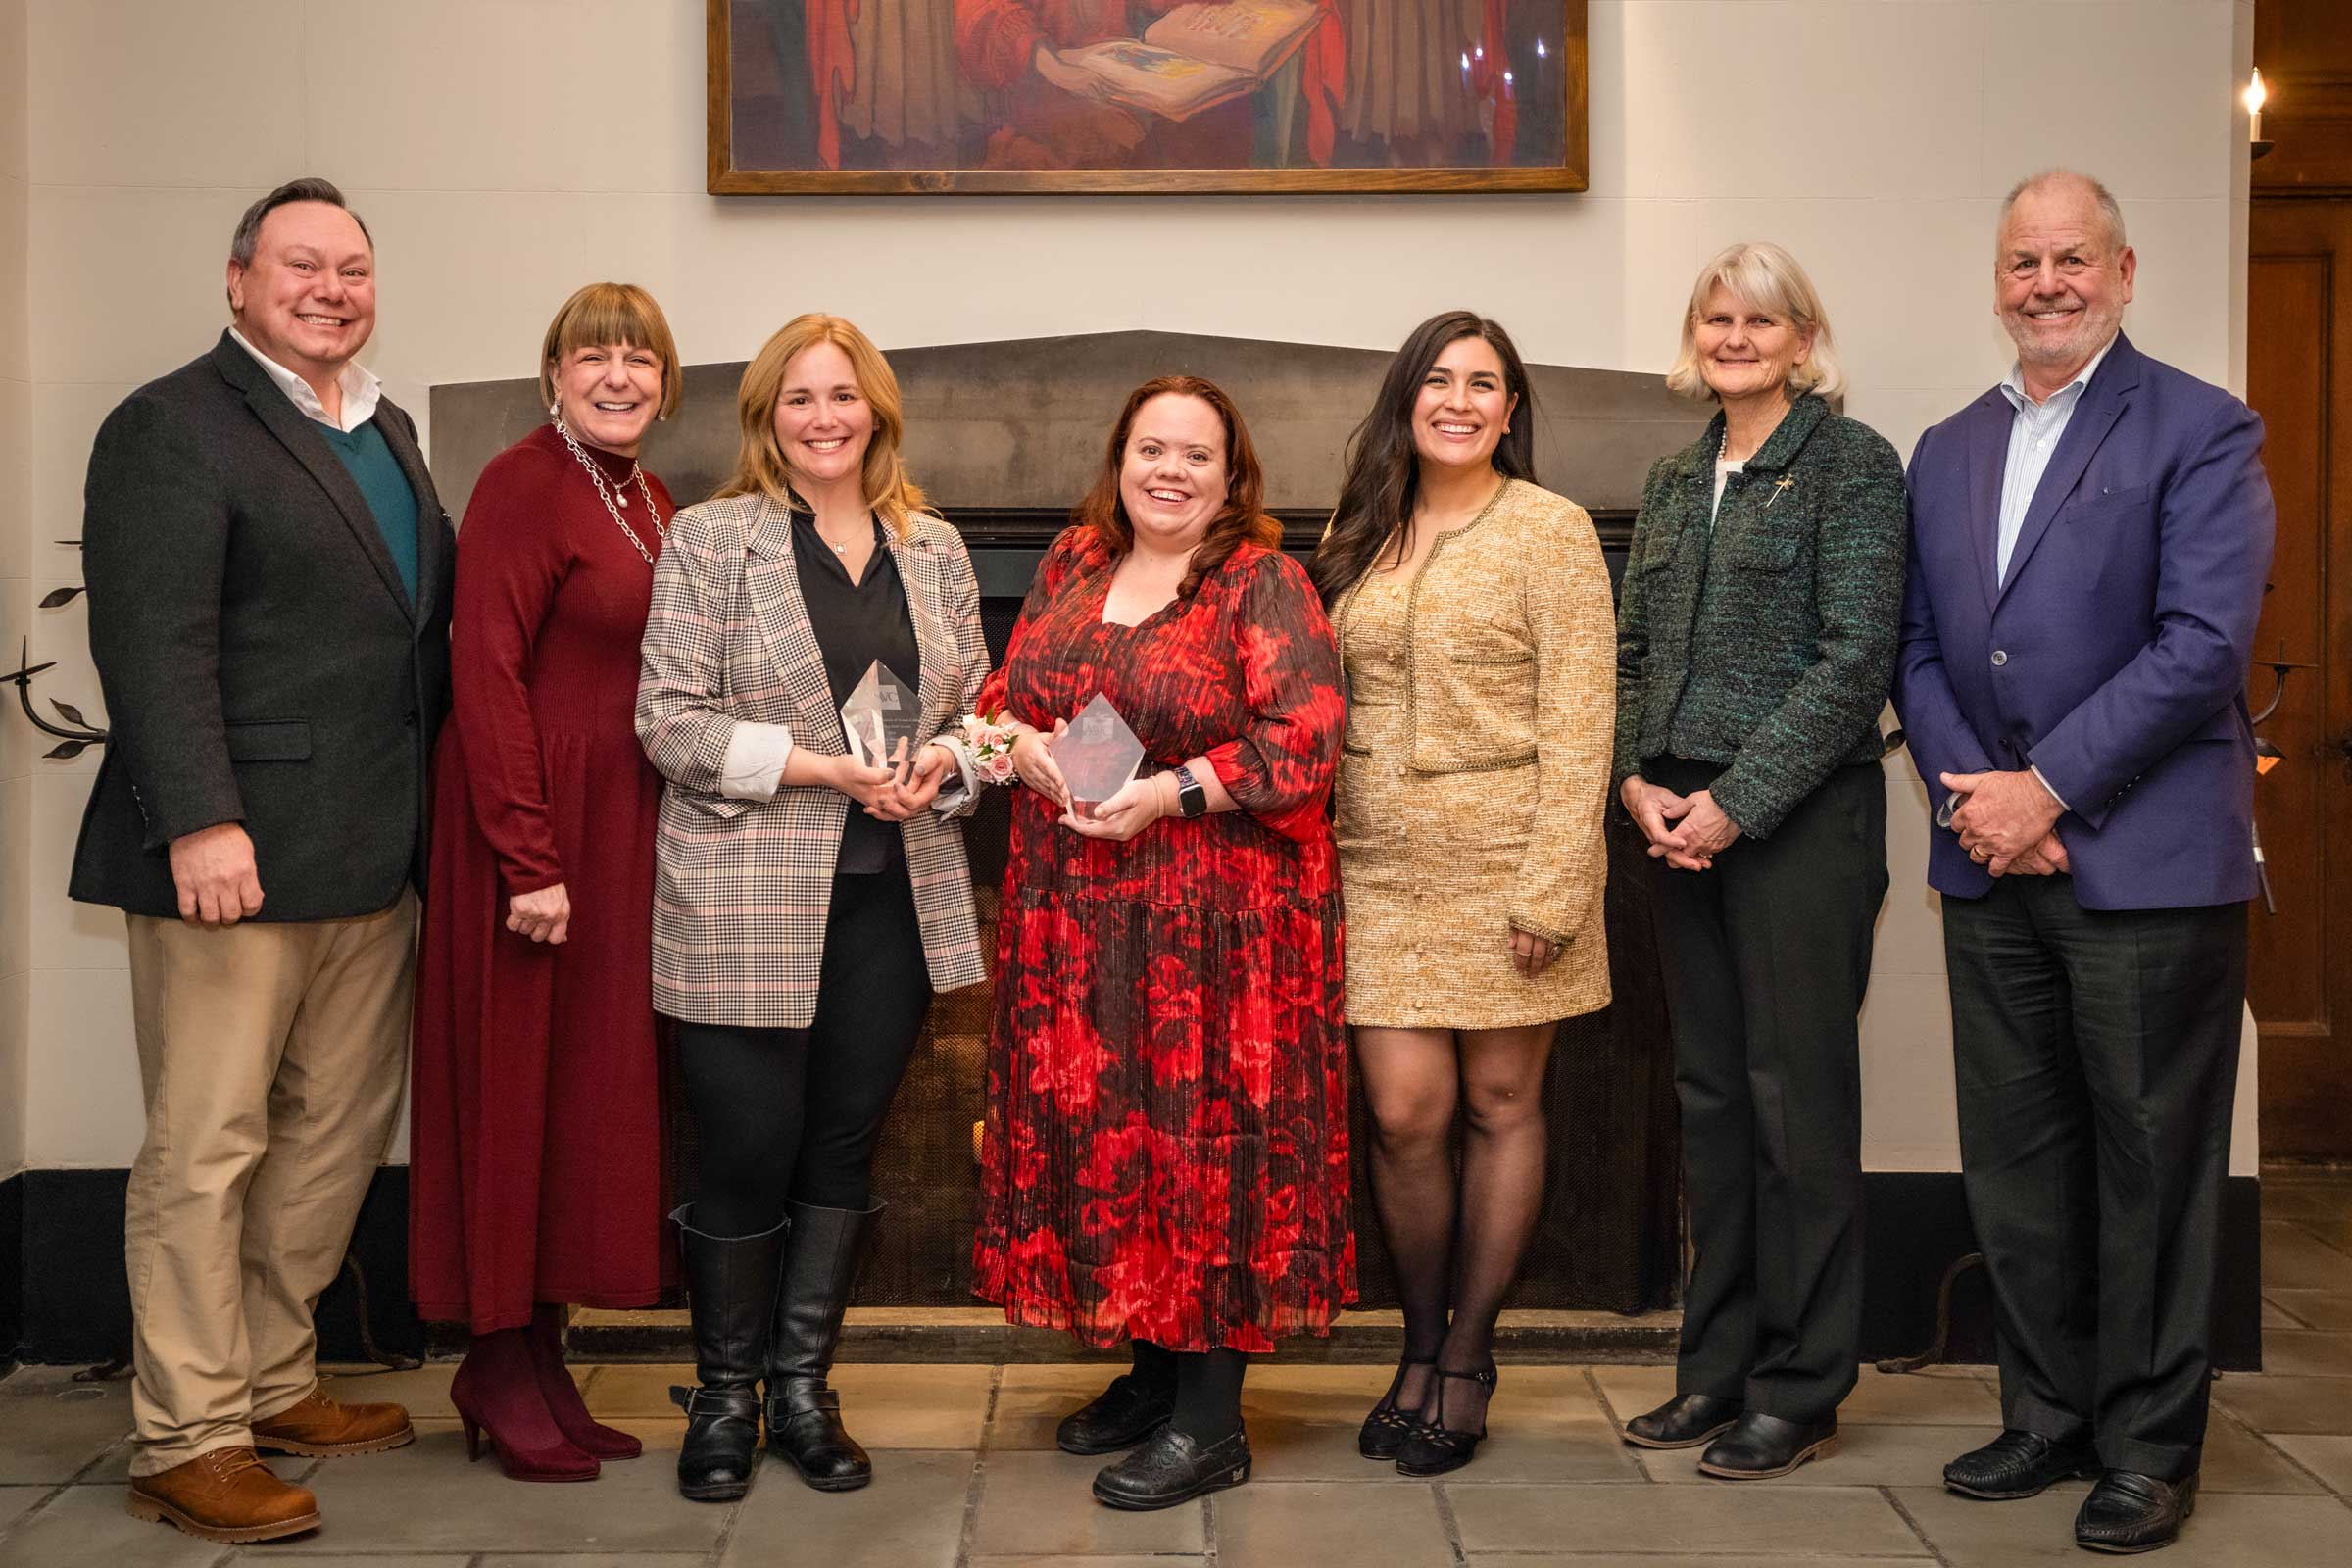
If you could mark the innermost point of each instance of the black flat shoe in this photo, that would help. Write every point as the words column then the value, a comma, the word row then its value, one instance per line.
column 1119, row 1417
column 1759, row 1447
column 2128, row 1512
column 1385, row 1429
column 1432, row 1447
column 2017, row 1464
column 1685, row 1421
column 1171, row 1468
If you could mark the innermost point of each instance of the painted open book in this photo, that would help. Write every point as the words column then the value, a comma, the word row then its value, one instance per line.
column 1199, row 55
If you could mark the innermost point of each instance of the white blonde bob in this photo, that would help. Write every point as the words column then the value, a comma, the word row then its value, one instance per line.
column 1764, row 277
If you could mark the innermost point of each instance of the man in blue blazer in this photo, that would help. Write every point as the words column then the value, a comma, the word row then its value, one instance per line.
column 2088, row 542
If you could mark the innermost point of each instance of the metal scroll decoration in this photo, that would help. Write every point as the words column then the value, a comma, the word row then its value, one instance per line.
column 78, row 734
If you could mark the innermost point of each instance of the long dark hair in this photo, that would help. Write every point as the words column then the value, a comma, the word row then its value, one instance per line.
column 1384, row 467
column 1241, row 519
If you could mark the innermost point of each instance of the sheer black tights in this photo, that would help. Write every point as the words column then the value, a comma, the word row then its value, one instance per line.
column 1456, row 1244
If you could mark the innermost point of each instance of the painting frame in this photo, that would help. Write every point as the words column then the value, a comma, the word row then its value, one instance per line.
column 728, row 177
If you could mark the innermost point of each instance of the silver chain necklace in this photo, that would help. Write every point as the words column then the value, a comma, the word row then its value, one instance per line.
column 613, row 499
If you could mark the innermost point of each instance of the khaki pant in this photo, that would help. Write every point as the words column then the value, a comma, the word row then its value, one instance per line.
column 271, row 1057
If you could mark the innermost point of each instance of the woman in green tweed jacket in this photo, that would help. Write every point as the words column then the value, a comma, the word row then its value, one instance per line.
column 1755, row 645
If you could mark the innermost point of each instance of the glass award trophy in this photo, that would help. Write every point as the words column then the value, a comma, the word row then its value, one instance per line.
column 1098, row 754
column 882, row 717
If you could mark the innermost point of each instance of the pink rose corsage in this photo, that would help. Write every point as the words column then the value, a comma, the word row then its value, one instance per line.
column 988, row 741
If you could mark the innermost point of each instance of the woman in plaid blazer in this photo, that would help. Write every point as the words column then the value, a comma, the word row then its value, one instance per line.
column 806, row 904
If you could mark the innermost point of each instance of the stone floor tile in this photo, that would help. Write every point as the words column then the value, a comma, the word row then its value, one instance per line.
column 909, row 1407
column 1797, row 1559
column 51, row 1428
column 2238, row 1460
column 424, row 1389
column 426, row 1497
column 634, row 1393
column 87, row 1528
column 2228, row 1531
column 1890, row 1455
column 2305, row 1353
column 2302, row 1201
column 275, row 1552
column 1031, row 1401
column 2312, row 1309
column 2272, row 1404
column 911, row 1518
column 2294, row 1258
column 1038, row 1505
column 2275, row 1317
column 634, row 1559
column 2327, row 1458
column 1155, row 1561
column 1747, row 1520
column 16, row 1501
column 1281, row 1525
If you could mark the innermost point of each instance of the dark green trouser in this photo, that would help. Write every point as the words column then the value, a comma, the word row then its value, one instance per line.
column 1766, row 960
column 2097, row 1059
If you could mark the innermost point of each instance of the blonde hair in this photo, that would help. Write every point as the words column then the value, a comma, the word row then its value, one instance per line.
column 612, row 313
column 759, row 466
column 1764, row 276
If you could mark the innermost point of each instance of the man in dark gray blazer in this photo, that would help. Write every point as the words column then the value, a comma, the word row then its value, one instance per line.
column 269, row 584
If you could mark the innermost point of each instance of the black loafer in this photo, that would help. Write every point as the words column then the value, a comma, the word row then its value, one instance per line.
column 1682, row 1422
column 2017, row 1464
column 2128, row 1512
column 1119, row 1417
column 1171, row 1468
column 1759, row 1447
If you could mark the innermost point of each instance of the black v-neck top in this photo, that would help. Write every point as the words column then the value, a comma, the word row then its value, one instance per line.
column 857, row 623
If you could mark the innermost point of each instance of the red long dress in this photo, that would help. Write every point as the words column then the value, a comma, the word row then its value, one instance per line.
column 535, row 1124
column 1166, row 1146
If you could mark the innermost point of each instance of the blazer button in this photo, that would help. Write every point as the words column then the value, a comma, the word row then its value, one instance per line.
column 2000, row 656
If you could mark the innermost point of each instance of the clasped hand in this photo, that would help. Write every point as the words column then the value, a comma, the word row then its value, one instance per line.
column 1132, row 809
column 895, row 793
column 1685, row 831
column 2008, row 822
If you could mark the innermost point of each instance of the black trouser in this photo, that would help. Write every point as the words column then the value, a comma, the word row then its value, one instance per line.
column 793, row 1113
column 2097, row 1062
column 1766, row 958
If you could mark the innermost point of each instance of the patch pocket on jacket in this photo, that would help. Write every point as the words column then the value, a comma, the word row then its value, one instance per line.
column 270, row 740
column 1521, row 658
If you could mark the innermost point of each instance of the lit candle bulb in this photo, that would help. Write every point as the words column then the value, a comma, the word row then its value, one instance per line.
column 2255, row 97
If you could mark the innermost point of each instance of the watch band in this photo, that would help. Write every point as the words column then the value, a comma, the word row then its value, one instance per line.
column 1190, row 799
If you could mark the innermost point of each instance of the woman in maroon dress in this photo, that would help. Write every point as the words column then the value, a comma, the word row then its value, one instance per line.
column 1165, row 1158
column 536, row 1124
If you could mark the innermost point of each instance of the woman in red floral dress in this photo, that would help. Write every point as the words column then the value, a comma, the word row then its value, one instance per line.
column 1165, row 1158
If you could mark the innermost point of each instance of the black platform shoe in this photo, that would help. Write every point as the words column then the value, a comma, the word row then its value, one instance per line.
column 1432, row 1447
column 2017, row 1464
column 804, row 1412
column 1383, row 1434
column 2128, row 1512
column 1759, row 1447
column 1121, row 1416
column 731, row 1296
column 1171, row 1468
column 1685, row 1421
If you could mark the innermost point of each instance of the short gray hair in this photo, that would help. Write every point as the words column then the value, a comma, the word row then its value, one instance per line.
column 247, row 237
column 2109, row 208
column 1764, row 277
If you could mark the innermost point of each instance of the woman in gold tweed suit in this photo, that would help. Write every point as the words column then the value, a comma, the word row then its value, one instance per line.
column 1473, row 613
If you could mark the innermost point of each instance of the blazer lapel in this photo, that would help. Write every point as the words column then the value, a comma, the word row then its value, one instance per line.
column 2103, row 402
column 918, row 566
column 1987, row 456
column 773, row 581
column 292, row 427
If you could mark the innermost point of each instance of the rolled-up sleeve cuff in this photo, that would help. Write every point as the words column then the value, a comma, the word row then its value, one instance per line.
column 754, row 769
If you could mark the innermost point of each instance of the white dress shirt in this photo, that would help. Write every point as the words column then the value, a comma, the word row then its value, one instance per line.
column 362, row 389
column 2034, row 430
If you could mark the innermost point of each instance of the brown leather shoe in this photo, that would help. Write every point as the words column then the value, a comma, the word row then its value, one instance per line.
column 224, row 1494
column 319, row 1426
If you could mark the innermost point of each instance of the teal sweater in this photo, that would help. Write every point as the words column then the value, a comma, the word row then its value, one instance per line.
column 385, row 489
column 1766, row 642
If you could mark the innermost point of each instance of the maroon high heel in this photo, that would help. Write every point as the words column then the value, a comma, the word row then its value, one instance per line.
column 581, row 1429
column 496, row 1392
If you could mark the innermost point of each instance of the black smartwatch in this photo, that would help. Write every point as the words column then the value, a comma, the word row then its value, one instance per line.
column 1190, row 799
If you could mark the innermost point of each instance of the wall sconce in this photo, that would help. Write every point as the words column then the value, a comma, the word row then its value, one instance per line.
column 2254, row 97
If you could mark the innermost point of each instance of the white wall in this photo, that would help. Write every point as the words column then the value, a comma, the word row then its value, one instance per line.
column 505, row 151
column 17, row 750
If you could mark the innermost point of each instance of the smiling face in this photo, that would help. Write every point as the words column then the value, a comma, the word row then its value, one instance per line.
column 2061, row 283
column 608, row 394
column 1174, row 474
column 1464, row 406
column 823, row 421
column 308, row 298
column 1744, row 352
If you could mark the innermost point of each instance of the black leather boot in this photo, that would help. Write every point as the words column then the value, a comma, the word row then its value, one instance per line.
column 1682, row 1422
column 803, row 1412
column 2017, row 1464
column 2128, row 1512
column 731, row 1299
column 1761, row 1445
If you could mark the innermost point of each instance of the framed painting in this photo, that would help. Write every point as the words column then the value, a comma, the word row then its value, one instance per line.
column 917, row 97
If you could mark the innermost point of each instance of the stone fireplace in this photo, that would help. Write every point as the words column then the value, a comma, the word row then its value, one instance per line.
column 1004, row 436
